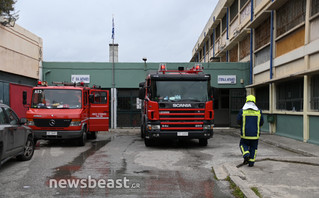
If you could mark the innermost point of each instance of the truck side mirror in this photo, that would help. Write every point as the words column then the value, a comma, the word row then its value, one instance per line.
column 24, row 97
column 91, row 98
column 141, row 84
column 141, row 93
column 23, row 121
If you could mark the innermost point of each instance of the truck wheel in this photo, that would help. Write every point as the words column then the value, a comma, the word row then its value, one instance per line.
column 203, row 142
column 91, row 135
column 28, row 150
column 82, row 139
column 148, row 142
column 142, row 131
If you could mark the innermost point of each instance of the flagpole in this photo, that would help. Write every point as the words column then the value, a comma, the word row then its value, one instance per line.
column 113, row 92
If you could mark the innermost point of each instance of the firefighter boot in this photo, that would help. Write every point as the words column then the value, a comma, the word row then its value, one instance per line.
column 246, row 160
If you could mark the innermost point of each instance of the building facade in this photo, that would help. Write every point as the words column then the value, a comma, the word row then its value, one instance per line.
column 20, row 64
column 280, row 40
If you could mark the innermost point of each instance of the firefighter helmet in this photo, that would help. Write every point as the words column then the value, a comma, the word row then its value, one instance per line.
column 251, row 98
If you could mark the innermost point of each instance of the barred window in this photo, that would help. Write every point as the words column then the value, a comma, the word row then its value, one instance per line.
column 212, row 39
column 314, row 7
column 262, row 34
column 243, row 3
column 224, row 23
column 314, row 100
column 217, row 31
column 290, row 95
column 233, row 10
column 290, row 15
column 262, row 97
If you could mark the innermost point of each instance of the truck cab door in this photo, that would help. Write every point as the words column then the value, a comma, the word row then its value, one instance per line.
column 99, row 111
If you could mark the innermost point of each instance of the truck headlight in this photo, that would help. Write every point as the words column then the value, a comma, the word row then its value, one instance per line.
column 208, row 127
column 30, row 123
column 75, row 123
column 153, row 127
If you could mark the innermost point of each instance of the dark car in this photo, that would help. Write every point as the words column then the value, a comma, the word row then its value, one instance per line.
column 16, row 139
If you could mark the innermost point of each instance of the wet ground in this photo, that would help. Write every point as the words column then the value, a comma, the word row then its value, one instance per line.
column 114, row 165
column 117, row 164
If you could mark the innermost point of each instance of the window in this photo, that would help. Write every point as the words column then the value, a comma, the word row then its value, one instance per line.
column 233, row 10
column 217, row 31
column 212, row 39
column 13, row 118
column 243, row 3
column 290, row 15
column 2, row 116
column 314, row 100
column 262, row 34
column 224, row 23
column 314, row 7
column 262, row 97
column 100, row 97
column 233, row 53
column 290, row 95
column 244, row 47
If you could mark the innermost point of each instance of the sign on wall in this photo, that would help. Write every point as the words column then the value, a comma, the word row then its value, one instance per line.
column 80, row 78
column 226, row 79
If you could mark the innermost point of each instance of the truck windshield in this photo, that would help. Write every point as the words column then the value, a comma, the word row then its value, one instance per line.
column 56, row 99
column 173, row 91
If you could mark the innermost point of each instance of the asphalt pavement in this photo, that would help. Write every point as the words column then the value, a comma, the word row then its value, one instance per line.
column 274, row 176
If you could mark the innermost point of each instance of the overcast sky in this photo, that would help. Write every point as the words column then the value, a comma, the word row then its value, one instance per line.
column 81, row 30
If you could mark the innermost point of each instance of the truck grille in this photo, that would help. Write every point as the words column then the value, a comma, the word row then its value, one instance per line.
column 52, row 122
column 181, row 119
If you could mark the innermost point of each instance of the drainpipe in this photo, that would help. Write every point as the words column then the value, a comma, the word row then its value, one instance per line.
column 251, row 43
column 214, row 42
column 227, row 23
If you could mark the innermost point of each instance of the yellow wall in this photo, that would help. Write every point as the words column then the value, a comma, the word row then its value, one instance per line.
column 20, row 51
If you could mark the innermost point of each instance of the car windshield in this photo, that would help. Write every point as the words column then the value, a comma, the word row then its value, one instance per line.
column 56, row 99
column 174, row 91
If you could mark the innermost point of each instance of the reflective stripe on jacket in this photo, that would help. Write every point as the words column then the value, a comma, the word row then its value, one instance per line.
column 250, row 121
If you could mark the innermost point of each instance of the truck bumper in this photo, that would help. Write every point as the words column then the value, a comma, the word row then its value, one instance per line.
column 55, row 135
column 178, row 134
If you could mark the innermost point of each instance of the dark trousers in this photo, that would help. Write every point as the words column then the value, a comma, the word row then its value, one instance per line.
column 249, row 149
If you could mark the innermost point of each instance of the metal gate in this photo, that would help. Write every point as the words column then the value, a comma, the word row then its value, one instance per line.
column 127, row 113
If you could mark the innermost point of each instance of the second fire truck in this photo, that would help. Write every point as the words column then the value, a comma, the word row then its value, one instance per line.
column 177, row 104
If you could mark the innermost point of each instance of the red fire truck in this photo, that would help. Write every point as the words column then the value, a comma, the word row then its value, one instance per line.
column 177, row 104
column 67, row 111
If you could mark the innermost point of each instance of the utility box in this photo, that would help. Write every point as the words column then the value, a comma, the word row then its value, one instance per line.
column 271, row 118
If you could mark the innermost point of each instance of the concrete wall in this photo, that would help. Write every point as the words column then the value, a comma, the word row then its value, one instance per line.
column 20, row 51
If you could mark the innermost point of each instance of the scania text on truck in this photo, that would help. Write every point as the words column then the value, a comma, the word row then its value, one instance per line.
column 177, row 104
column 67, row 111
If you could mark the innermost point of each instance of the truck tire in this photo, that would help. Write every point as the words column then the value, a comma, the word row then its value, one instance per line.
column 148, row 142
column 203, row 142
column 142, row 131
column 92, row 135
column 28, row 150
column 82, row 139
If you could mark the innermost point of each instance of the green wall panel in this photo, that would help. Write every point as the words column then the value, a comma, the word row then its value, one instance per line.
column 314, row 129
column 129, row 75
column 265, row 127
column 290, row 126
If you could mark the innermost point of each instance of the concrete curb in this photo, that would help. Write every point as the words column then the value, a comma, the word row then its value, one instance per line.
column 229, row 169
column 244, row 187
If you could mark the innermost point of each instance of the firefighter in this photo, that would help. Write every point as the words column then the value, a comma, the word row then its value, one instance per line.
column 250, row 119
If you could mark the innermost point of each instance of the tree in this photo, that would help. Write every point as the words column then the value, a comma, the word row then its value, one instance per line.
column 7, row 8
